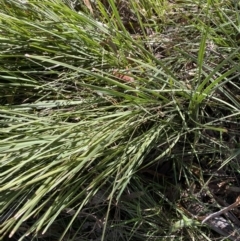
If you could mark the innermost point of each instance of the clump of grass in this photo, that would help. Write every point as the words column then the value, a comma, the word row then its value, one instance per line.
column 106, row 113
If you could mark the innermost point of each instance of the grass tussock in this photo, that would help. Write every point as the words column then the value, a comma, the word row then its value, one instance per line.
column 111, row 111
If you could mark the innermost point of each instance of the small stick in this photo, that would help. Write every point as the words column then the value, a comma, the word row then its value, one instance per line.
column 224, row 210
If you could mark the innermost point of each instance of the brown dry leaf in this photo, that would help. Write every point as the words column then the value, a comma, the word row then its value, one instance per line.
column 88, row 5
